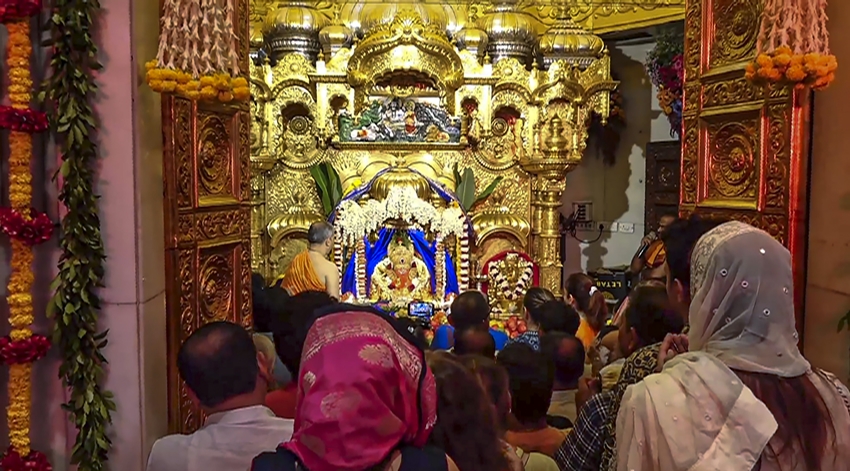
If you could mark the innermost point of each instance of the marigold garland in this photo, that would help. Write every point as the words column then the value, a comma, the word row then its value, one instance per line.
column 197, row 55
column 25, row 228
column 784, row 68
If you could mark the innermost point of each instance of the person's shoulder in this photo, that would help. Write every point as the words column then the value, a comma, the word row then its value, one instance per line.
column 165, row 450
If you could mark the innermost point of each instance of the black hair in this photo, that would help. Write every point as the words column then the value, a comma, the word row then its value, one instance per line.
column 269, row 303
column 593, row 305
column 530, row 378
column 566, row 353
column 466, row 346
column 218, row 362
column 290, row 329
column 470, row 308
column 649, row 313
column 534, row 299
column 494, row 378
column 679, row 241
column 558, row 316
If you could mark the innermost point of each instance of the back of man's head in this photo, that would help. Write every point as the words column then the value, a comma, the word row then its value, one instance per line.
column 567, row 354
column 468, row 309
column 218, row 362
column 475, row 340
column 290, row 329
column 679, row 241
column 531, row 379
column 558, row 316
column 319, row 232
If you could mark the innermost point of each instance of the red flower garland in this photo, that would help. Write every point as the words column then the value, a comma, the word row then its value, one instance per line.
column 13, row 9
column 34, row 461
column 23, row 120
column 35, row 230
column 23, row 351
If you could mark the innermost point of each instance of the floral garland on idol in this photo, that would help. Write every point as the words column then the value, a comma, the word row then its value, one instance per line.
column 70, row 92
column 665, row 66
column 197, row 56
column 793, row 46
column 25, row 227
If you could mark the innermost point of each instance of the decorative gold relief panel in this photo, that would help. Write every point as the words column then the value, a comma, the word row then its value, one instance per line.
column 744, row 149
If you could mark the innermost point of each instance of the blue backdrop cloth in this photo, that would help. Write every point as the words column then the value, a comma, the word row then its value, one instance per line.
column 377, row 252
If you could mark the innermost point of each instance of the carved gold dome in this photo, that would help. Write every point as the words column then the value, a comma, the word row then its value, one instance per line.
column 400, row 177
column 376, row 14
column 255, row 35
column 510, row 32
column 566, row 40
column 293, row 27
column 472, row 38
column 295, row 219
column 334, row 37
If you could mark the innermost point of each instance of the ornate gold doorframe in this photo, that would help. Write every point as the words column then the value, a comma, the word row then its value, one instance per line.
column 744, row 150
column 207, row 178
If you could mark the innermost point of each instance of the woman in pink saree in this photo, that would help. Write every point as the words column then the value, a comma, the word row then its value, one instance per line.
column 366, row 399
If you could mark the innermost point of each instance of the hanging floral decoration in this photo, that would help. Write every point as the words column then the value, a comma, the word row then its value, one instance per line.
column 666, row 69
column 69, row 93
column 793, row 46
column 197, row 56
column 25, row 228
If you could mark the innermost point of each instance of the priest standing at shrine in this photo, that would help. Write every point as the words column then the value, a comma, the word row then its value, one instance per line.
column 648, row 262
column 311, row 270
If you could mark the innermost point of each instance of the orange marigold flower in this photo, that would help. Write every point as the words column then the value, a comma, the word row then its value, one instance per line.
column 783, row 50
column 781, row 60
column 774, row 75
column 763, row 60
column 795, row 74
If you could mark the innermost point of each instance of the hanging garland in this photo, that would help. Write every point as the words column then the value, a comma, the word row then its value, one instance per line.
column 793, row 46
column 25, row 228
column 75, row 307
column 665, row 66
column 197, row 56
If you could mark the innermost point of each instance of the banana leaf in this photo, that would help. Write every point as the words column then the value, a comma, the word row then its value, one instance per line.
column 322, row 186
column 466, row 189
column 488, row 191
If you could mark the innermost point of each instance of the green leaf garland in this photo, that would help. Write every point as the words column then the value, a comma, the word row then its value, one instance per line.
column 75, row 307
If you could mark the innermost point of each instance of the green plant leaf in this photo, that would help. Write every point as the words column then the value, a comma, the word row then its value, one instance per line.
column 466, row 189
column 488, row 191
column 457, row 176
column 322, row 187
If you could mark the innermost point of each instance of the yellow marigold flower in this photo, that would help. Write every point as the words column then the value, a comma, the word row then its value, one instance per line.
column 783, row 50
column 208, row 93
column 207, row 81
column 795, row 74
column 781, row 60
column 225, row 97
column 240, row 82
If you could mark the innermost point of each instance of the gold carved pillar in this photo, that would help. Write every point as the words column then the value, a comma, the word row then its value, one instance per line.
column 550, row 168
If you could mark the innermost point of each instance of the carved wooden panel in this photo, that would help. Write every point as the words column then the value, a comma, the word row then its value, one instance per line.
column 663, row 160
column 208, row 248
column 744, row 148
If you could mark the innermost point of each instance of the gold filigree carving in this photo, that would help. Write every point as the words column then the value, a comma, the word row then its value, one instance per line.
column 245, row 311
column 733, row 171
column 223, row 224
column 729, row 92
column 182, row 112
column 244, row 147
column 214, row 165
column 735, row 35
column 778, row 157
column 216, row 288
column 690, row 161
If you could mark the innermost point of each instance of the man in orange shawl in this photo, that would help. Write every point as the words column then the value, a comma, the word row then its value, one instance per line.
column 311, row 270
column 648, row 262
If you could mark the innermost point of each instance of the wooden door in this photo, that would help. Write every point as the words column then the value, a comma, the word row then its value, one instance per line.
column 744, row 149
column 663, row 161
column 207, row 182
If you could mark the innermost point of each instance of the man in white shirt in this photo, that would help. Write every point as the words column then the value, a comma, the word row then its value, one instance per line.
column 228, row 379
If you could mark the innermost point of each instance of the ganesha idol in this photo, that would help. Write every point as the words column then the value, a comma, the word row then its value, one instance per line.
column 401, row 276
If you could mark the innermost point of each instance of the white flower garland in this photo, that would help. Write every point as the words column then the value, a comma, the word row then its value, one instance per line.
column 503, row 284
column 356, row 221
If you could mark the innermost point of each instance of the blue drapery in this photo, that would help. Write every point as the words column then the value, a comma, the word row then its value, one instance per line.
column 377, row 252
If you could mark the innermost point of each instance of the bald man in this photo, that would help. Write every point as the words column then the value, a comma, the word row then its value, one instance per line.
column 311, row 270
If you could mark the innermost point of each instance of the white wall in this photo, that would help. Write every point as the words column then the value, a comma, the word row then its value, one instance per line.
column 618, row 191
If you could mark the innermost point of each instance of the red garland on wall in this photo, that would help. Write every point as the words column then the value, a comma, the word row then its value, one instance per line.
column 25, row 228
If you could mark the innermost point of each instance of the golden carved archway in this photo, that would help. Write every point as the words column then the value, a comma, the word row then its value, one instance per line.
column 744, row 149
column 207, row 183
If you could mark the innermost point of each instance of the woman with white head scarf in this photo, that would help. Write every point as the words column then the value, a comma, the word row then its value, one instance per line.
column 743, row 397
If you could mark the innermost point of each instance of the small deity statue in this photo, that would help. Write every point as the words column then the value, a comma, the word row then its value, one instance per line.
column 400, row 276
